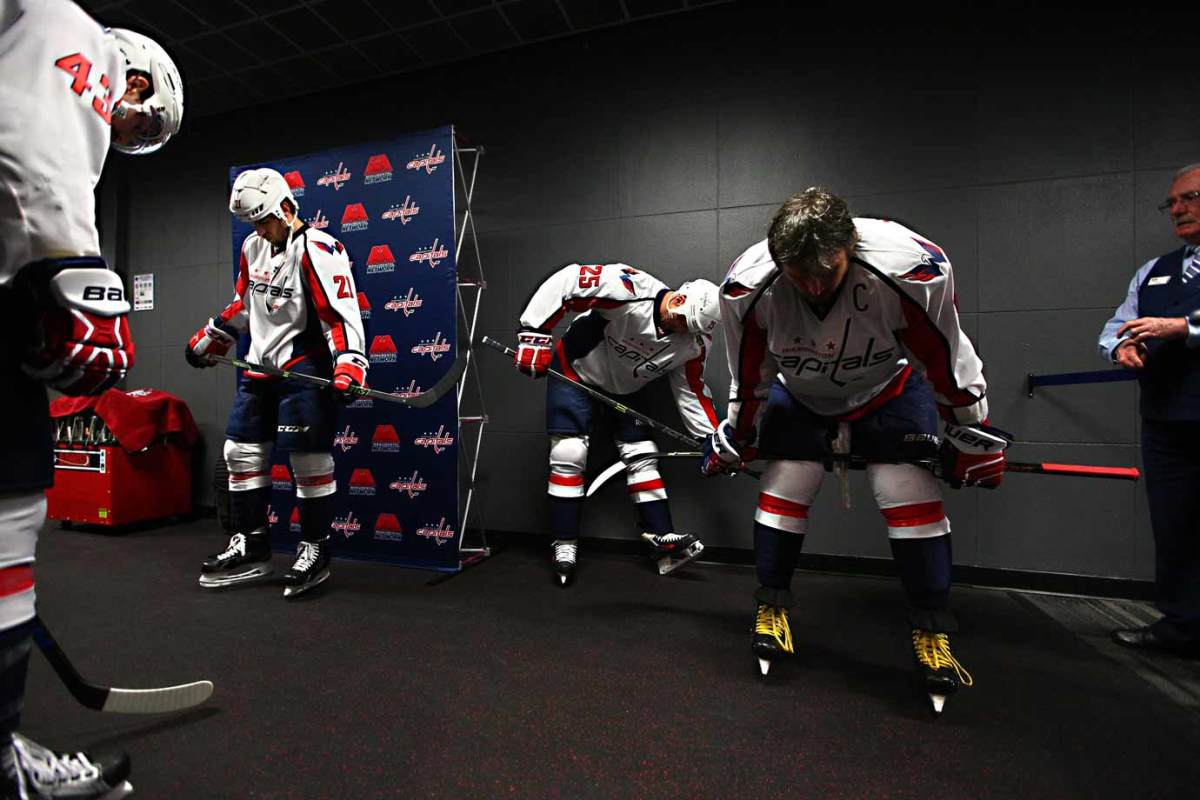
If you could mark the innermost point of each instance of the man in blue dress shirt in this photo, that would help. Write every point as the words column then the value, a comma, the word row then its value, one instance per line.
column 1156, row 331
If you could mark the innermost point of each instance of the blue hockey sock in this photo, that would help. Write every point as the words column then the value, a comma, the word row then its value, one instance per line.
column 775, row 554
column 14, row 664
column 924, row 567
column 655, row 516
column 565, row 513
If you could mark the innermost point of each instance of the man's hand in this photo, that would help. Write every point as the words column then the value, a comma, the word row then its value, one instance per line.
column 211, row 340
column 973, row 455
column 535, row 351
column 349, row 372
column 1143, row 328
column 722, row 452
column 1130, row 355
column 83, row 343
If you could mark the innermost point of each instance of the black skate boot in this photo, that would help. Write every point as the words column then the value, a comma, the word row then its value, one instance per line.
column 564, row 559
column 247, row 558
column 772, row 636
column 938, row 671
column 673, row 550
column 311, row 567
column 29, row 771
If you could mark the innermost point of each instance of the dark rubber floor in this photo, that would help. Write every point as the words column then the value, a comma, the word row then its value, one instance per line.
column 497, row 683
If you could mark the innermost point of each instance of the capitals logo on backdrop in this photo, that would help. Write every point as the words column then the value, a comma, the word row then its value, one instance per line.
column 317, row 222
column 435, row 348
column 294, row 520
column 434, row 254
column 438, row 441
column 385, row 440
column 345, row 439
column 334, row 177
column 427, row 161
column 383, row 350
column 281, row 479
column 402, row 211
column 379, row 169
column 387, row 527
column 295, row 182
column 381, row 260
column 362, row 482
column 347, row 525
column 408, row 304
column 412, row 390
column 440, row 532
column 411, row 486
column 364, row 306
column 354, row 218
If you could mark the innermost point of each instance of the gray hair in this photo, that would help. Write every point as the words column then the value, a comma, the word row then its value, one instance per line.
column 809, row 229
column 1185, row 170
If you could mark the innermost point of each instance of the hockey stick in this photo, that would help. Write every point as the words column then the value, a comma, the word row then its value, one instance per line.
column 856, row 462
column 422, row 400
column 120, row 701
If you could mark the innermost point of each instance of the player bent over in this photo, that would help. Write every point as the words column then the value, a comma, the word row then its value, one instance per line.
column 824, row 321
column 69, row 90
column 633, row 330
column 296, row 296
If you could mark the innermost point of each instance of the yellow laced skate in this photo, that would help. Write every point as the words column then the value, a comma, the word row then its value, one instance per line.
column 772, row 636
column 938, row 670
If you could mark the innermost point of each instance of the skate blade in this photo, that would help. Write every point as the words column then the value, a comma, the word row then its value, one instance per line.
column 117, row 792
column 938, row 701
column 218, row 580
column 764, row 664
column 668, row 564
column 292, row 591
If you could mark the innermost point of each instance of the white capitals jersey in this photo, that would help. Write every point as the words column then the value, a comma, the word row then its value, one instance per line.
column 896, row 303
column 617, row 344
column 60, row 74
column 296, row 301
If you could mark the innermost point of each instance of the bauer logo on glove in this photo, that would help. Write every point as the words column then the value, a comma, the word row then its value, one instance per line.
column 973, row 455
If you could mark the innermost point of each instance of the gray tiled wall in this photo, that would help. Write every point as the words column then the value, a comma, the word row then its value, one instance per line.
column 1037, row 175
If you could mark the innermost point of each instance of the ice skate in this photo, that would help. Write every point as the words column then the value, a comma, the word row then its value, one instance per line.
column 772, row 636
column 310, row 569
column 673, row 550
column 938, row 671
column 564, row 559
column 32, row 772
column 246, row 559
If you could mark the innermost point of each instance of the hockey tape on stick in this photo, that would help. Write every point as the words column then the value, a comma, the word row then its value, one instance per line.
column 423, row 400
column 112, row 699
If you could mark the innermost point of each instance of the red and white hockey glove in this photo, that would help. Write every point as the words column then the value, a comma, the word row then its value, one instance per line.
column 722, row 452
column 973, row 455
column 535, row 351
column 349, row 372
column 211, row 340
column 82, row 340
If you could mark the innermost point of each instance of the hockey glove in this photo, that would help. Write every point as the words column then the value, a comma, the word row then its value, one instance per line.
column 349, row 372
column 82, row 344
column 535, row 351
column 211, row 340
column 722, row 453
column 973, row 455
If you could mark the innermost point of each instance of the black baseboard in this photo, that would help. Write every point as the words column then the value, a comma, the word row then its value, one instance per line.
column 1058, row 582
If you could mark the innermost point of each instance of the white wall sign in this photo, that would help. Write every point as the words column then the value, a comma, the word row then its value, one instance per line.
column 143, row 292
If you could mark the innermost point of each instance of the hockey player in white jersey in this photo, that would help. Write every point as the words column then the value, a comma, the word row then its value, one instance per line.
column 295, row 295
column 824, row 321
column 633, row 330
column 69, row 89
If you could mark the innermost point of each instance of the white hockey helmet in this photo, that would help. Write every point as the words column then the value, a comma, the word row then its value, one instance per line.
column 164, row 103
column 258, row 193
column 701, row 308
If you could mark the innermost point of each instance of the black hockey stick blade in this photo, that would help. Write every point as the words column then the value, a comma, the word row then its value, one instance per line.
column 422, row 400
column 112, row 699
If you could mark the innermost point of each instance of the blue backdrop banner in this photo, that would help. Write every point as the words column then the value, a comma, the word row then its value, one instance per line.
column 391, row 204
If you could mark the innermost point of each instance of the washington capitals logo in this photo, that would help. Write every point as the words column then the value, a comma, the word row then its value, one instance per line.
column 435, row 348
column 627, row 281
column 427, row 161
column 408, row 304
column 346, row 439
column 441, row 532
column 412, row 486
column 922, row 273
column 347, row 525
column 412, row 390
column 439, row 441
column 402, row 211
column 334, row 177
column 317, row 222
column 433, row 254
